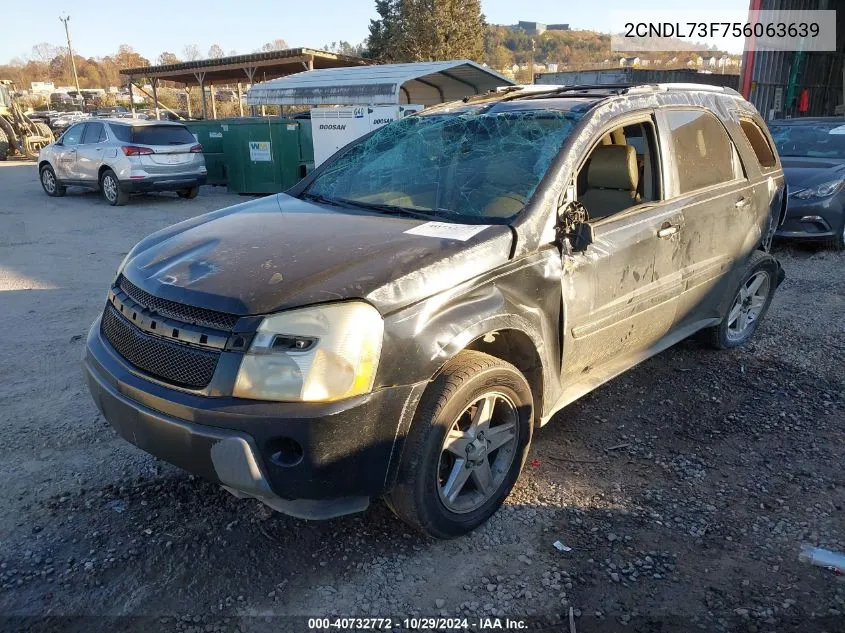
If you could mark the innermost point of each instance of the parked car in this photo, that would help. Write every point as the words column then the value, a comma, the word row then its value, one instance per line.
column 400, row 322
column 110, row 112
column 125, row 156
column 813, row 155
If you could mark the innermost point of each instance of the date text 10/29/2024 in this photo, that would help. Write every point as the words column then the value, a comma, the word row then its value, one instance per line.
column 417, row 624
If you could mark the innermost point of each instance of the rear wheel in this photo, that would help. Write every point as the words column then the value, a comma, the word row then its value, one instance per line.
column 50, row 183
column 189, row 193
column 4, row 145
column 466, row 446
column 750, row 303
column 110, row 186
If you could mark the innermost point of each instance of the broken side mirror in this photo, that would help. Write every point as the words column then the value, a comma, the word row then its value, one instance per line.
column 582, row 237
column 573, row 225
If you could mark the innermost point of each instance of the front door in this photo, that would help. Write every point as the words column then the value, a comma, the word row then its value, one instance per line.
column 90, row 152
column 621, row 293
column 67, row 153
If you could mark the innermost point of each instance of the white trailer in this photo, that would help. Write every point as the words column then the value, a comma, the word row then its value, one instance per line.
column 333, row 128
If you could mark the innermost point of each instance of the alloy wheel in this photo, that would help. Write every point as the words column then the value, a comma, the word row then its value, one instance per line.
column 748, row 305
column 110, row 188
column 48, row 180
column 477, row 452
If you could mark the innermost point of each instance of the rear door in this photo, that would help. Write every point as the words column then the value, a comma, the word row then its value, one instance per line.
column 708, row 182
column 67, row 153
column 171, row 146
column 90, row 152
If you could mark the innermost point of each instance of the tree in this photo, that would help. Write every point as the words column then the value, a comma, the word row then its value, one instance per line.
column 191, row 52
column 345, row 48
column 425, row 30
column 275, row 45
column 45, row 52
column 167, row 58
column 127, row 57
column 216, row 51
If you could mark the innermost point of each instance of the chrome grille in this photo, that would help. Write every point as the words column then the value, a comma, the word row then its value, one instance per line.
column 175, row 363
column 178, row 311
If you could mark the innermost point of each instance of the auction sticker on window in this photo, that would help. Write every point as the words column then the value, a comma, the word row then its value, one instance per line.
column 447, row 230
column 259, row 151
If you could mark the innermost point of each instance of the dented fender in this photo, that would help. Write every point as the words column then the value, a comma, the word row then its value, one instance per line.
column 523, row 295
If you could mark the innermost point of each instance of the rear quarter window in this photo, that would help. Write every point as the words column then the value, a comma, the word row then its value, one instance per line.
column 162, row 135
column 122, row 133
column 757, row 139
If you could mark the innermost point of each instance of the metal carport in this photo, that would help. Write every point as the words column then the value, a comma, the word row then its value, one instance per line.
column 236, row 68
column 423, row 83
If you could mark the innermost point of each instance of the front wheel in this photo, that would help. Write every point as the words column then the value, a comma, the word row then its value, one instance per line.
column 110, row 186
column 750, row 303
column 50, row 183
column 466, row 446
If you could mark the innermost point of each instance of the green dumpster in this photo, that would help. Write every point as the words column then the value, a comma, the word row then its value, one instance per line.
column 209, row 134
column 306, row 147
column 262, row 155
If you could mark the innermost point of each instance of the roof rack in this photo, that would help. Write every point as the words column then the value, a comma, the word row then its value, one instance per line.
column 586, row 90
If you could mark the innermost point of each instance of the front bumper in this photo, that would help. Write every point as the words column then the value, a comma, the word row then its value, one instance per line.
column 163, row 183
column 812, row 219
column 310, row 460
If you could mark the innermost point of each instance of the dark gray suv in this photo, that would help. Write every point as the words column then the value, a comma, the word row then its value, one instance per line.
column 403, row 320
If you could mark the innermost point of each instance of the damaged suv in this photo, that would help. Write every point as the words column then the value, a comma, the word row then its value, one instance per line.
column 399, row 323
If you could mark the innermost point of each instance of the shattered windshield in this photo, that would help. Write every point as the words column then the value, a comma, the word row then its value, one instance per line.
column 472, row 165
column 818, row 140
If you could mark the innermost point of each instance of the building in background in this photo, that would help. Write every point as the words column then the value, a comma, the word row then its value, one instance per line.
column 538, row 28
column 795, row 83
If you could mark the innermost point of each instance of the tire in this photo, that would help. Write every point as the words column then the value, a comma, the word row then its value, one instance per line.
column 4, row 145
column 110, row 187
column 734, row 331
column 189, row 193
column 50, row 183
column 427, row 469
column 44, row 130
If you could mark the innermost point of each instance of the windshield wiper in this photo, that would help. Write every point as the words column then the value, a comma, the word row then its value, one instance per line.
column 318, row 197
column 391, row 209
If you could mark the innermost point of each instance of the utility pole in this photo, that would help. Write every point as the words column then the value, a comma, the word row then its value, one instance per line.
column 65, row 20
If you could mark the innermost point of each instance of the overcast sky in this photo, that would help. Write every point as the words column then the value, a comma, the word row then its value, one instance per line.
column 153, row 26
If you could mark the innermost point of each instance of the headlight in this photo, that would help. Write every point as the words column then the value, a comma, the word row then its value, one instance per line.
column 823, row 190
column 317, row 354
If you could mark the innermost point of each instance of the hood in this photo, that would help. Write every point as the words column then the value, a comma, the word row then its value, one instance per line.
column 803, row 172
column 281, row 252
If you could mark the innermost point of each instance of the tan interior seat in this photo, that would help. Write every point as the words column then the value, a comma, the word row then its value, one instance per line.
column 612, row 178
column 509, row 178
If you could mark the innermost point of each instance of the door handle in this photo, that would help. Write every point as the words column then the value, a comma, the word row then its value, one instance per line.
column 667, row 230
column 742, row 203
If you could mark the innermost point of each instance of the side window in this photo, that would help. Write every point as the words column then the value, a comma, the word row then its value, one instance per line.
column 702, row 149
column 757, row 139
column 620, row 172
column 74, row 135
column 93, row 133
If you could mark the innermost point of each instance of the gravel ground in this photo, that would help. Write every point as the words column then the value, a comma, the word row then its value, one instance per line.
column 683, row 488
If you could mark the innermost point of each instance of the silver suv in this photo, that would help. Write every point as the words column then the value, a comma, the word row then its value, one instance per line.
column 123, row 157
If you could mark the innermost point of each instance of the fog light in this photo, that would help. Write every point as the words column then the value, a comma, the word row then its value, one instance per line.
column 286, row 452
